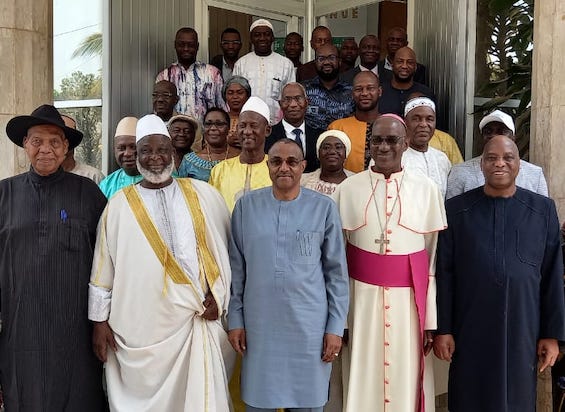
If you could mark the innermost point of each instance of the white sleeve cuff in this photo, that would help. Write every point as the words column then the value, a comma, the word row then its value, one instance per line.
column 99, row 300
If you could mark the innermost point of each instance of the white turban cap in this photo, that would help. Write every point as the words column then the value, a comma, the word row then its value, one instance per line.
column 419, row 102
column 148, row 125
column 257, row 105
column 334, row 133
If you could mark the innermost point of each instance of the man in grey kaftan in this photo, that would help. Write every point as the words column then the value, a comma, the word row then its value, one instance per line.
column 289, row 288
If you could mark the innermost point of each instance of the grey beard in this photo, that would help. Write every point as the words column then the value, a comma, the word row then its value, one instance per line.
column 153, row 177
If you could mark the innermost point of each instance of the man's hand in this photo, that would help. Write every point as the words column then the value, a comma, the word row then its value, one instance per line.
column 211, row 312
column 548, row 349
column 444, row 346
column 332, row 346
column 237, row 340
column 428, row 342
column 102, row 337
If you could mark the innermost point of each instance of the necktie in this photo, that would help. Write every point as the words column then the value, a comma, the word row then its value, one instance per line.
column 297, row 133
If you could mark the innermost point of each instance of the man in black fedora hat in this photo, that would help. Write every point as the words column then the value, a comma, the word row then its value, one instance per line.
column 48, row 220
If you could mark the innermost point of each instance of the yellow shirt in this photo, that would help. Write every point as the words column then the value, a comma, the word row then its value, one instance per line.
column 233, row 178
column 447, row 144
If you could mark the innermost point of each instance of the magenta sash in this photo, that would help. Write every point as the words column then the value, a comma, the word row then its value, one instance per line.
column 410, row 270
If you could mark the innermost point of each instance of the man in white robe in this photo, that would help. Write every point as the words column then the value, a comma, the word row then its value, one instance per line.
column 390, row 217
column 420, row 118
column 160, row 286
column 266, row 71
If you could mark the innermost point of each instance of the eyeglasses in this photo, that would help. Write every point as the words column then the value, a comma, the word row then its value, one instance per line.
column 157, row 95
column 389, row 140
column 290, row 99
column 230, row 42
column 291, row 161
column 331, row 58
column 219, row 125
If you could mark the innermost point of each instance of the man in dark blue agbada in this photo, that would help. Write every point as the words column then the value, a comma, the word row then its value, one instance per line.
column 500, row 289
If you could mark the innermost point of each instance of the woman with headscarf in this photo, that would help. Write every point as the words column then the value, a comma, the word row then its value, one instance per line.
column 333, row 147
column 215, row 147
column 236, row 91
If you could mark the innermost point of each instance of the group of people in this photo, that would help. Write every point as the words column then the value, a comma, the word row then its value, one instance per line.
column 293, row 237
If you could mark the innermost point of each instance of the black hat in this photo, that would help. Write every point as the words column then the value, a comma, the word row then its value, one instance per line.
column 17, row 128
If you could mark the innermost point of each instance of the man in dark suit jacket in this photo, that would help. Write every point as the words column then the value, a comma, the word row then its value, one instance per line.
column 293, row 103
column 369, row 53
column 320, row 35
column 396, row 39
column 230, row 42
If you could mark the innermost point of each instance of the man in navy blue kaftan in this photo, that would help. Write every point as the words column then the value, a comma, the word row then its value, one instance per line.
column 500, row 289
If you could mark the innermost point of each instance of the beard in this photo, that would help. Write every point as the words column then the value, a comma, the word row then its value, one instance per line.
column 403, row 81
column 329, row 76
column 155, row 177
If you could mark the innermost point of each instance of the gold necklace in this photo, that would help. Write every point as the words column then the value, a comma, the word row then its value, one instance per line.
column 210, row 156
column 382, row 241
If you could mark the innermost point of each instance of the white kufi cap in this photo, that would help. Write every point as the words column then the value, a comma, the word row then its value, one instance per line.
column 148, row 125
column 126, row 127
column 259, row 23
column 257, row 105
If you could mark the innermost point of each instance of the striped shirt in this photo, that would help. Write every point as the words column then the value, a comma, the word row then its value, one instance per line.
column 468, row 175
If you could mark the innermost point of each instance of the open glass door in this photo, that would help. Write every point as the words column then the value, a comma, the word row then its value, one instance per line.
column 216, row 15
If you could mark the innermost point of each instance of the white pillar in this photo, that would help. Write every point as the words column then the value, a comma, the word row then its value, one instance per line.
column 548, row 97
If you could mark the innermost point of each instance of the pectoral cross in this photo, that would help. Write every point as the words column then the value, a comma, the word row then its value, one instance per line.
column 382, row 242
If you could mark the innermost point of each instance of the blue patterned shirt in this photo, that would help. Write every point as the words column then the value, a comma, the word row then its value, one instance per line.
column 325, row 106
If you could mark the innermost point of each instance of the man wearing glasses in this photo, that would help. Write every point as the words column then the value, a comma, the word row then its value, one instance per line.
column 164, row 99
column 293, row 103
column 391, row 218
column 199, row 85
column 289, row 291
column 230, row 42
column 329, row 98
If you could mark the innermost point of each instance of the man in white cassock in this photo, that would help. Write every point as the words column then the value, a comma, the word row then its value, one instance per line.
column 390, row 218
column 160, row 286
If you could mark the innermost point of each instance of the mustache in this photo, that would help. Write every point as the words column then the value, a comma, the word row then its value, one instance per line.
column 154, row 177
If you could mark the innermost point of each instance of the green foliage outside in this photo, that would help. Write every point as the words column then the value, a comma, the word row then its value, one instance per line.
column 504, row 60
column 80, row 86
